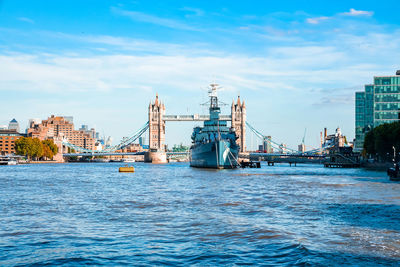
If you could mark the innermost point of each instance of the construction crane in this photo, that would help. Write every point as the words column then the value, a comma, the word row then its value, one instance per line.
column 304, row 137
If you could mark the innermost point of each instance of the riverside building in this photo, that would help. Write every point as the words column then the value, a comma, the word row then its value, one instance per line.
column 7, row 141
column 57, row 127
column 379, row 103
column 13, row 125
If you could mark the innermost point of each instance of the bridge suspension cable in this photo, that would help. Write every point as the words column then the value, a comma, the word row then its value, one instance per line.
column 266, row 138
column 277, row 145
column 125, row 142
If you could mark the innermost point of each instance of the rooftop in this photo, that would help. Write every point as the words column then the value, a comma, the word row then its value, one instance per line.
column 10, row 132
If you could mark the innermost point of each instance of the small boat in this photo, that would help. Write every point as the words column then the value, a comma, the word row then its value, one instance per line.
column 394, row 172
column 12, row 162
column 101, row 160
column 128, row 160
column 127, row 169
column 8, row 161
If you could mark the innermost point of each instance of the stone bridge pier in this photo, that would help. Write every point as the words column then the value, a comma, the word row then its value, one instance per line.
column 156, row 153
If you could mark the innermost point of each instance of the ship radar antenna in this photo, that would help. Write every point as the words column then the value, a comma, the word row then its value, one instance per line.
column 213, row 94
column 213, row 89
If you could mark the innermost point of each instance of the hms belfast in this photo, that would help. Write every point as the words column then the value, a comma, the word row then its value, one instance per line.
column 214, row 145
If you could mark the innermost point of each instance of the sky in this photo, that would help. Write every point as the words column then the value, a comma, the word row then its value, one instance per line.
column 297, row 64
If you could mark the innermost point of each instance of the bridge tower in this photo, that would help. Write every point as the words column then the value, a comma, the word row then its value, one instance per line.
column 156, row 125
column 238, row 114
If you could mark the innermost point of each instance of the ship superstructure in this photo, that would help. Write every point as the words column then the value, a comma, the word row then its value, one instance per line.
column 214, row 145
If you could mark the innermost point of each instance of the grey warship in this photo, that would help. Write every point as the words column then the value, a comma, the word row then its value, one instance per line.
column 214, row 145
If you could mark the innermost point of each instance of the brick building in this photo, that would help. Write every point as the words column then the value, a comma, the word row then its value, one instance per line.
column 61, row 127
column 7, row 141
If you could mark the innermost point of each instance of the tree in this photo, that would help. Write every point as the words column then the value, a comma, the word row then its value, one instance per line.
column 381, row 140
column 369, row 143
column 34, row 148
column 23, row 147
column 37, row 148
column 49, row 148
column 47, row 153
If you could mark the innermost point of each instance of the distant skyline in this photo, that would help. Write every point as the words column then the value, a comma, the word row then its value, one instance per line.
column 297, row 64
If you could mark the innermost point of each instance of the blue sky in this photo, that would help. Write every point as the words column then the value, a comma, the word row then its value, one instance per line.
column 296, row 64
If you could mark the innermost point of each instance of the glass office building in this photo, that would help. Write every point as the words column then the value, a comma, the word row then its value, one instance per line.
column 378, row 104
column 360, row 120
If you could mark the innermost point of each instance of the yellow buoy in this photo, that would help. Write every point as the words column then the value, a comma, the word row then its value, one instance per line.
column 126, row 169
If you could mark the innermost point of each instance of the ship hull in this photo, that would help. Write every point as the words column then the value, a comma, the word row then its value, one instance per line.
column 218, row 155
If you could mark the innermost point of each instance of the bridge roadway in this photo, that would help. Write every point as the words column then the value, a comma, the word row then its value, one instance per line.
column 195, row 117
column 294, row 158
column 86, row 154
column 241, row 155
column 282, row 155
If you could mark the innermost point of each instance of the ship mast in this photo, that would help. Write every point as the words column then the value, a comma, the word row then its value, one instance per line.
column 214, row 109
column 213, row 95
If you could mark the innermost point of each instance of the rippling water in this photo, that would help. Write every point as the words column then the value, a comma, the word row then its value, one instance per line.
column 176, row 215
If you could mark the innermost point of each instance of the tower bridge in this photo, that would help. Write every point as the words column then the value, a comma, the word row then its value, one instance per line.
column 157, row 119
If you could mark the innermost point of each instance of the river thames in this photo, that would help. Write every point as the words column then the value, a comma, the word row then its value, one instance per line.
column 172, row 214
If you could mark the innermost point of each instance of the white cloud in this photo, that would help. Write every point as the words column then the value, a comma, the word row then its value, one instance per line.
column 195, row 12
column 316, row 20
column 354, row 12
column 344, row 99
column 55, row 73
column 25, row 19
column 143, row 17
column 187, row 66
